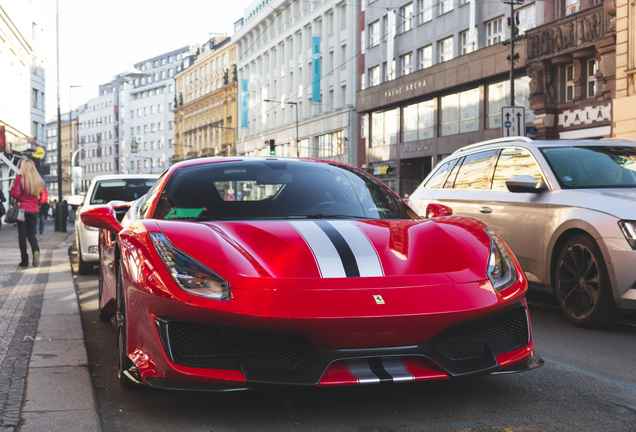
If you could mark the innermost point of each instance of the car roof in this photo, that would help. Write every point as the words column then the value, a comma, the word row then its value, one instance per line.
column 530, row 143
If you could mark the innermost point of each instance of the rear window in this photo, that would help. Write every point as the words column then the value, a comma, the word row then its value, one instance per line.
column 120, row 190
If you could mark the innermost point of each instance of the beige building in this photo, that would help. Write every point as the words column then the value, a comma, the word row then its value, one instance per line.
column 206, row 103
column 624, row 113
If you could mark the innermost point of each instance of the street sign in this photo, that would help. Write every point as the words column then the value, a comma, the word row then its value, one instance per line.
column 513, row 121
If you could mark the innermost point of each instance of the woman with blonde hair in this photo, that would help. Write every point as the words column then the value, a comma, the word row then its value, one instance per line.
column 29, row 192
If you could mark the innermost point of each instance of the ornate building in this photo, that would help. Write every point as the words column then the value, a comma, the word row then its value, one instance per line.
column 624, row 116
column 206, row 103
column 571, row 62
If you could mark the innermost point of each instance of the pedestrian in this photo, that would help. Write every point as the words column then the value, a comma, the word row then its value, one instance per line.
column 44, row 212
column 29, row 192
column 2, row 209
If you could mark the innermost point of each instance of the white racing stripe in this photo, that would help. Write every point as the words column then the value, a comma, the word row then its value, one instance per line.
column 366, row 256
column 324, row 243
column 327, row 258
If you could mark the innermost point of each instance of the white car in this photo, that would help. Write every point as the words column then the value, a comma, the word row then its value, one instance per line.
column 103, row 189
column 566, row 208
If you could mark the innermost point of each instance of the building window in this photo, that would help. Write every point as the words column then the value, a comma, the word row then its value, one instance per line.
column 592, row 66
column 569, row 83
column 406, row 64
column 425, row 57
column 406, row 14
column 425, row 11
column 468, row 44
column 363, row 41
column 445, row 49
column 494, row 31
column 460, row 112
column 374, row 33
column 419, row 121
column 499, row 96
column 571, row 6
column 331, row 144
column 374, row 76
column 526, row 17
column 445, row 6
column 386, row 73
column 385, row 126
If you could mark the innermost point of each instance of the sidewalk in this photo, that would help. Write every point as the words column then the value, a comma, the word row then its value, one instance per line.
column 45, row 383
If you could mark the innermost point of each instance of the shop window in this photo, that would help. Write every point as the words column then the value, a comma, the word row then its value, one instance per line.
column 460, row 112
column 419, row 121
column 384, row 129
column 498, row 96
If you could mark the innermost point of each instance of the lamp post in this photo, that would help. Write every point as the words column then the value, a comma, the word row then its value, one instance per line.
column 513, row 37
column 60, row 211
column 290, row 103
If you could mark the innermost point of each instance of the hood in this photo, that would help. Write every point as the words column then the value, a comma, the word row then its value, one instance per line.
column 451, row 249
column 619, row 202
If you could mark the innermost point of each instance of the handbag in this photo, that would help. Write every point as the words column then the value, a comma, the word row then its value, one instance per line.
column 15, row 213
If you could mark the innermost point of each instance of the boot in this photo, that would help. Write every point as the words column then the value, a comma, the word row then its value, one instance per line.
column 25, row 261
column 36, row 258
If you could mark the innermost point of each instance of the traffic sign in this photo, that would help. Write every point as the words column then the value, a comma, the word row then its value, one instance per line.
column 513, row 121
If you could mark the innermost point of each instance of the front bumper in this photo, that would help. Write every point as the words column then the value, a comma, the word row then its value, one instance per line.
column 501, row 343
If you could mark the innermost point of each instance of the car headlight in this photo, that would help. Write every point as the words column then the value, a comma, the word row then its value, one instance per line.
column 629, row 231
column 501, row 267
column 190, row 275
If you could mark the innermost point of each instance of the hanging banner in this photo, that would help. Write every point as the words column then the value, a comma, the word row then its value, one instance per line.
column 315, row 68
column 244, row 100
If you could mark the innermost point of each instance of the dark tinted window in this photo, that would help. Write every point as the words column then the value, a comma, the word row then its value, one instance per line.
column 120, row 190
column 593, row 166
column 266, row 189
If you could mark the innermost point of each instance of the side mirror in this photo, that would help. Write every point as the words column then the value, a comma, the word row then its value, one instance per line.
column 103, row 217
column 524, row 183
column 437, row 210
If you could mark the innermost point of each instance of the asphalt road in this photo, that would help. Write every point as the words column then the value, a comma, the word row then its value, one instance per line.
column 587, row 384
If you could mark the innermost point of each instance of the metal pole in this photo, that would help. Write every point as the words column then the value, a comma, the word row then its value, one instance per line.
column 297, row 141
column 60, row 213
column 512, row 54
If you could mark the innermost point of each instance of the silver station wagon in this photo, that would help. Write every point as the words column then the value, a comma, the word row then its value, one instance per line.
column 566, row 208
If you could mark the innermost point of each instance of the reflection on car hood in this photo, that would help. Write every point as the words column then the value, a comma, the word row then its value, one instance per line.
column 441, row 250
column 620, row 202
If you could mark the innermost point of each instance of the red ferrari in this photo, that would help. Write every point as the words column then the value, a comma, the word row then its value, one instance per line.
column 232, row 273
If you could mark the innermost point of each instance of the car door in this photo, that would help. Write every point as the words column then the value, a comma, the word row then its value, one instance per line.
column 518, row 217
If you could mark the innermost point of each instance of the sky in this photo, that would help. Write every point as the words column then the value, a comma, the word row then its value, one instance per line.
column 99, row 39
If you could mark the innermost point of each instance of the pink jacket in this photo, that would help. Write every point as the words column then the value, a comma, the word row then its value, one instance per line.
column 30, row 203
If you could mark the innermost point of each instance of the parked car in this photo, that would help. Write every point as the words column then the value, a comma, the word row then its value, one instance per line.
column 105, row 188
column 566, row 208
column 240, row 272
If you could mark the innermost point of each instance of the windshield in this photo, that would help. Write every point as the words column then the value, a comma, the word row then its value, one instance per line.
column 123, row 189
column 275, row 189
column 593, row 166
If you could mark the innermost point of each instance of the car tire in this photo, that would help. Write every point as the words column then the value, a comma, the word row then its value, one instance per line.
column 582, row 285
column 123, row 362
column 103, row 315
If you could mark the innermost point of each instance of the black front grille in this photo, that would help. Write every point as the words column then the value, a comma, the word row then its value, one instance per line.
column 230, row 348
column 507, row 331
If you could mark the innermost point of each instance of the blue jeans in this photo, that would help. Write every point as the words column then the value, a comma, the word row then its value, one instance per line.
column 26, row 231
column 42, row 220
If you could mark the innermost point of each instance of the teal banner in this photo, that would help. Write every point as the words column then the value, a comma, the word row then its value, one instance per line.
column 316, row 59
column 244, row 100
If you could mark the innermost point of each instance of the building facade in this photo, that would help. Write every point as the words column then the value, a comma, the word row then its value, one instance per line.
column 206, row 103
column 625, row 100
column 571, row 61
column 296, row 76
column 147, row 118
column 22, row 124
column 436, row 76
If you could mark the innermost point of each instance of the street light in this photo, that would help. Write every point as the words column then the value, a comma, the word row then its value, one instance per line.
column 290, row 103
